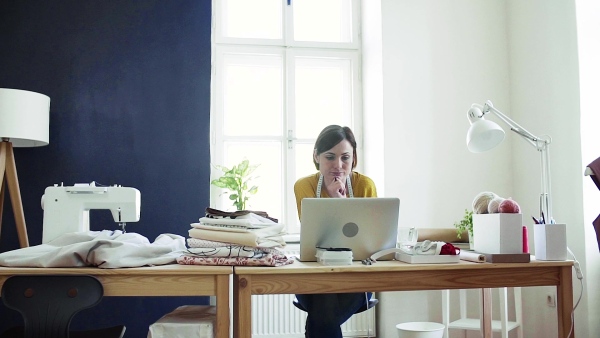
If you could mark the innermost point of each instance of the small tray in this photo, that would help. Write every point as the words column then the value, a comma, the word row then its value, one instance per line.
column 426, row 259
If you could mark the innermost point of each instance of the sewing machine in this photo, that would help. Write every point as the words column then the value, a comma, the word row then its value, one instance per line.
column 67, row 208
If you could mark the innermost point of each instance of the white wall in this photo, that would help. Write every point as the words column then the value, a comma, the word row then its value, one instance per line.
column 372, row 84
column 588, row 29
column 544, row 85
column 439, row 57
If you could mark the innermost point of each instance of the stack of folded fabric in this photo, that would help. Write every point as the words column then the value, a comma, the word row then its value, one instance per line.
column 235, row 238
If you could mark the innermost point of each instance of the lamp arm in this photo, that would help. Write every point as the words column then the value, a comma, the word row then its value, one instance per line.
column 514, row 126
column 542, row 146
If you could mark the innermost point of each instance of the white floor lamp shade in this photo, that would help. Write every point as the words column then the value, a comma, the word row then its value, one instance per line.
column 24, row 122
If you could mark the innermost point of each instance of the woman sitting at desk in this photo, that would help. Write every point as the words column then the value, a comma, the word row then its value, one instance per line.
column 334, row 157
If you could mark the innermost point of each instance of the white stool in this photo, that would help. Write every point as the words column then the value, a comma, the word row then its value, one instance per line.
column 464, row 323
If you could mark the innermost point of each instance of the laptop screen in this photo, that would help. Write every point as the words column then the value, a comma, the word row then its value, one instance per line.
column 365, row 225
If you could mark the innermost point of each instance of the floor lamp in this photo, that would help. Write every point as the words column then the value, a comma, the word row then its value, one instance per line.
column 24, row 122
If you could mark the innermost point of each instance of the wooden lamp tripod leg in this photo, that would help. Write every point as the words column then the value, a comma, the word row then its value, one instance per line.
column 8, row 168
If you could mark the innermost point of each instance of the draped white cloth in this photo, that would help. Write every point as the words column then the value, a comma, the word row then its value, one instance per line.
column 103, row 249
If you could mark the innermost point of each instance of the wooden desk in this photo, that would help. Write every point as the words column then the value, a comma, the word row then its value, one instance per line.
column 164, row 280
column 396, row 276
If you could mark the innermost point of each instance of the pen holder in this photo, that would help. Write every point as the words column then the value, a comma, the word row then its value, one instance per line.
column 550, row 242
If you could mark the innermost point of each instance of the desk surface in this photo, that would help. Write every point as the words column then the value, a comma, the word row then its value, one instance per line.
column 312, row 277
column 163, row 280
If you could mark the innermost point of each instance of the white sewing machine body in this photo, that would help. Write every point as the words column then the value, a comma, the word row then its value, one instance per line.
column 67, row 208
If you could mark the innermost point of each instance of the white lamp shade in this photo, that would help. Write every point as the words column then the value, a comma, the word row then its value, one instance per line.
column 484, row 135
column 24, row 117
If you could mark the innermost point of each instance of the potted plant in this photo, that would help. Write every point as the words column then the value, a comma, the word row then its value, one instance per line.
column 237, row 180
column 465, row 224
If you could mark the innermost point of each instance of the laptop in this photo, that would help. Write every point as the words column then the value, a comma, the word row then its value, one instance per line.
column 364, row 225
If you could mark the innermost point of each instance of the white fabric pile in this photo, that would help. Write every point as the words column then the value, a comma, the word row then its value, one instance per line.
column 249, row 230
column 246, row 239
column 103, row 249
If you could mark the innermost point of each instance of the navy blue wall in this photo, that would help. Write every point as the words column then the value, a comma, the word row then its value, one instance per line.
column 129, row 83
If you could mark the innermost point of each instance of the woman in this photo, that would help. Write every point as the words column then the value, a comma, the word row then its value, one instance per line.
column 335, row 158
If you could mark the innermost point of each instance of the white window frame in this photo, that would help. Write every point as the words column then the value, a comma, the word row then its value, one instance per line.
column 289, row 49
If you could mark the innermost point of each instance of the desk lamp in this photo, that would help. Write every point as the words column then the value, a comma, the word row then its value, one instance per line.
column 484, row 135
column 24, row 122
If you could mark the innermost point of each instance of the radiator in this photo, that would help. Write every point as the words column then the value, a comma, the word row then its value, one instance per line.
column 276, row 316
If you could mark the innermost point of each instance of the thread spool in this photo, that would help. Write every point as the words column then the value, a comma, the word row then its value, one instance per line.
column 509, row 206
column 481, row 201
column 525, row 240
column 494, row 204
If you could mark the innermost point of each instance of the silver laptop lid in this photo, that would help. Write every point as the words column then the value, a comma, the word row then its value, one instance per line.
column 365, row 225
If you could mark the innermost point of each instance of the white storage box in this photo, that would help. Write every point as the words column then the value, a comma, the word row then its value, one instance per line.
column 326, row 257
column 426, row 259
column 185, row 321
column 550, row 242
column 498, row 233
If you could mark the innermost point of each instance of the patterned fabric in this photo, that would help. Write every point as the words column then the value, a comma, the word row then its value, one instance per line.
column 216, row 213
column 230, row 250
column 260, row 257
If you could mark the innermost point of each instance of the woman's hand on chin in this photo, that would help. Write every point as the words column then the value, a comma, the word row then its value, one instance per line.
column 337, row 188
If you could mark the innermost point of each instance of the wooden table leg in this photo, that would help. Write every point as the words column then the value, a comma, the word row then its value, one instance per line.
column 2, row 182
column 564, row 303
column 2, row 185
column 242, row 305
column 486, row 313
column 12, row 182
column 222, row 295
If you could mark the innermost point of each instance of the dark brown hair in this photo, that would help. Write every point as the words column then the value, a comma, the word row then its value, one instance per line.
column 330, row 137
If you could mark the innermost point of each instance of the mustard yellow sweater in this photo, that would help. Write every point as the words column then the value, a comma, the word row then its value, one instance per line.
column 362, row 186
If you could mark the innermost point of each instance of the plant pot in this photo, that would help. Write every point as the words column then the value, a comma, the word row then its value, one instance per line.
column 471, row 245
column 498, row 233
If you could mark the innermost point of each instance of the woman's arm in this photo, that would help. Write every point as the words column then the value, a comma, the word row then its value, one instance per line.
column 303, row 188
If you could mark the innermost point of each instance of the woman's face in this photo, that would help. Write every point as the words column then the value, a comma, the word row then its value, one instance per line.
column 336, row 162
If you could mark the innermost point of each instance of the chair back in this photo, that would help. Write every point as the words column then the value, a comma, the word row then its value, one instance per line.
column 49, row 302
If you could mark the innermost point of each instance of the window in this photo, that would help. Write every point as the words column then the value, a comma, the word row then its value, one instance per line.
column 282, row 71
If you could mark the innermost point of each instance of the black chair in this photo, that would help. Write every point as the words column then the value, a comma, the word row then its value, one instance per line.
column 371, row 303
column 48, row 303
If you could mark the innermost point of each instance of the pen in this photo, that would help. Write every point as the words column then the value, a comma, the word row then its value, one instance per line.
column 542, row 219
column 535, row 220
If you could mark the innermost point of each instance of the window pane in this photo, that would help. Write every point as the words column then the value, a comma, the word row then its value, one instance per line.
column 258, row 19
column 323, row 20
column 323, row 88
column 304, row 160
column 253, row 95
column 267, row 176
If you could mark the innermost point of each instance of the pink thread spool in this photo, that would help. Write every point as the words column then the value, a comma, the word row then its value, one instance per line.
column 525, row 240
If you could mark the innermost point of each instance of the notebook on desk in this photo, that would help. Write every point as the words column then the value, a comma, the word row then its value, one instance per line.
column 365, row 225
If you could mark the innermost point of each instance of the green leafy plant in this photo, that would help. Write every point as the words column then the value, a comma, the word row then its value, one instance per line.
column 465, row 224
column 237, row 180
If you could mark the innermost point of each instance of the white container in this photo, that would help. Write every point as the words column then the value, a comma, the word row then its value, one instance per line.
column 498, row 233
column 550, row 242
column 426, row 259
column 326, row 257
column 185, row 321
column 420, row 330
